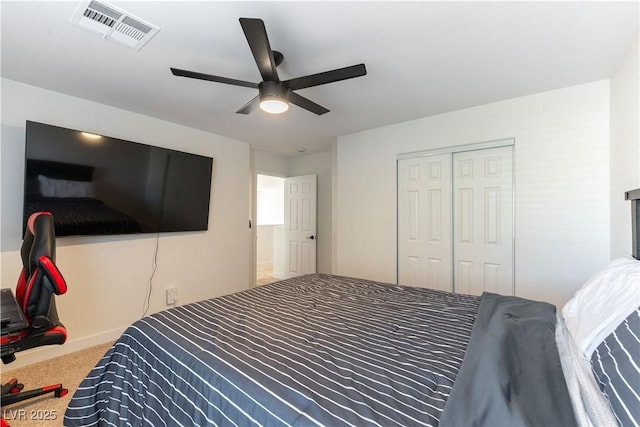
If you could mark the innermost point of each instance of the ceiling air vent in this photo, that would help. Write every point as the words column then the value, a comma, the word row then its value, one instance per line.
column 113, row 23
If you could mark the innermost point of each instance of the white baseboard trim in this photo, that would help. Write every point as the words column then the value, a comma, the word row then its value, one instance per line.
column 280, row 276
column 40, row 354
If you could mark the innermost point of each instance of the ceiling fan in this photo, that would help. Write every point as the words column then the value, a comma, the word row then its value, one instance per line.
column 275, row 95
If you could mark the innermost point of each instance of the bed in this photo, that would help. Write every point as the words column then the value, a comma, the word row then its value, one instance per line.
column 327, row 350
column 67, row 191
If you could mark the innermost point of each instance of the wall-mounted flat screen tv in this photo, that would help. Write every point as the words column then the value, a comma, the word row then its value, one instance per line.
column 95, row 184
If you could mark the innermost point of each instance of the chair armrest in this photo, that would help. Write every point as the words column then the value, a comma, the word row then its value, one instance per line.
column 53, row 274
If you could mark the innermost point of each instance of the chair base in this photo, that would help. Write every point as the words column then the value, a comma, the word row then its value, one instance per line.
column 12, row 392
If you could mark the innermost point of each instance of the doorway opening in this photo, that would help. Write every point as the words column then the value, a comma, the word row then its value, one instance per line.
column 270, row 240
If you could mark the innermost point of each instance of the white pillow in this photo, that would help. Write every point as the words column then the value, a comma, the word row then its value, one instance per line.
column 605, row 300
column 50, row 187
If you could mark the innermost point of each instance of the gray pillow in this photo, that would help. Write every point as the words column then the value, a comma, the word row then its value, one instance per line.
column 616, row 365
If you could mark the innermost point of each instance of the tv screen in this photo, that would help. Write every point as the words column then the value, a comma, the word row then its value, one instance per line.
column 95, row 184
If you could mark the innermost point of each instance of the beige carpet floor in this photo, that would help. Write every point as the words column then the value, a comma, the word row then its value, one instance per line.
column 47, row 410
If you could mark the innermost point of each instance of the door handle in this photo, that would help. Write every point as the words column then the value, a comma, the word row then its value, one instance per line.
column 312, row 237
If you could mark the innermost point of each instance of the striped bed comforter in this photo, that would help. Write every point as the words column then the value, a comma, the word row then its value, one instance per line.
column 317, row 350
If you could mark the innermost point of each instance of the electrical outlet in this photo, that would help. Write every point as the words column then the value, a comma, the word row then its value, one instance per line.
column 172, row 296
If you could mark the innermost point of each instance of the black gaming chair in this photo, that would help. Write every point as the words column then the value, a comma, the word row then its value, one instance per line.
column 39, row 282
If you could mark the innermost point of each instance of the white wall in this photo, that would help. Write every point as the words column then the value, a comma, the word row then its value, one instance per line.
column 561, row 180
column 270, row 163
column 625, row 148
column 264, row 244
column 108, row 276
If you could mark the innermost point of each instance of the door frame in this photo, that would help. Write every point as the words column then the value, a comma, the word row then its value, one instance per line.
column 253, row 219
column 459, row 149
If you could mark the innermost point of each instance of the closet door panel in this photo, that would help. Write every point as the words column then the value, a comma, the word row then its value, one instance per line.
column 424, row 222
column 483, row 218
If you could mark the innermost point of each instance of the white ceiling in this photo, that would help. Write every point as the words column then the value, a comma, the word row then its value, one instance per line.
column 422, row 58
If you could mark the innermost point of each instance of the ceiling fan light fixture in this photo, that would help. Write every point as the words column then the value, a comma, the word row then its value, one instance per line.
column 274, row 105
column 274, row 97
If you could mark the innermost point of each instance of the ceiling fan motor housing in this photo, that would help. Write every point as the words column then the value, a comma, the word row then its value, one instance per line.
column 273, row 90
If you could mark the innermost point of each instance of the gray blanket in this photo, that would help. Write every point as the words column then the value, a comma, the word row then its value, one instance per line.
column 511, row 373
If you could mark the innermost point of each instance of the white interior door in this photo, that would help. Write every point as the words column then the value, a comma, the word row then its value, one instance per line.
column 483, row 221
column 300, row 217
column 424, row 222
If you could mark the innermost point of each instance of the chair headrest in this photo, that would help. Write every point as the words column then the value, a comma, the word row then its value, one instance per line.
column 39, row 239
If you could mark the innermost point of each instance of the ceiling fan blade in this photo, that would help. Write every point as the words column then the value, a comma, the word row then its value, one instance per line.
column 212, row 78
column 250, row 106
column 327, row 77
column 303, row 102
column 256, row 35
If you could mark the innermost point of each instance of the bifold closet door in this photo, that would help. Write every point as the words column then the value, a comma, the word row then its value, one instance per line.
column 483, row 221
column 424, row 222
column 455, row 221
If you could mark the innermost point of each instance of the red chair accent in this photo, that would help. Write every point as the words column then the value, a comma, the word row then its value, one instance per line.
column 39, row 282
